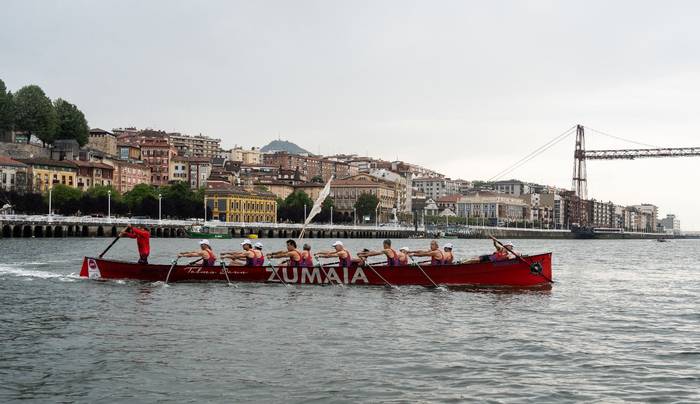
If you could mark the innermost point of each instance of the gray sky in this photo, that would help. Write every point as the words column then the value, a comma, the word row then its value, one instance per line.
column 466, row 88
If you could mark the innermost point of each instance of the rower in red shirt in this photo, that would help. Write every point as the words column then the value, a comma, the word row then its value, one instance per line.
column 143, row 243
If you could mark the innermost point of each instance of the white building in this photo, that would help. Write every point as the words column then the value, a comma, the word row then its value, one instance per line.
column 436, row 187
column 404, row 189
column 512, row 187
column 248, row 157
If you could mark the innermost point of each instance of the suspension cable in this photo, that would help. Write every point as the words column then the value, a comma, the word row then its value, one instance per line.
column 534, row 153
column 621, row 138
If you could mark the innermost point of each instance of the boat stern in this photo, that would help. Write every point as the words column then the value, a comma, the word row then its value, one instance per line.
column 90, row 269
column 84, row 268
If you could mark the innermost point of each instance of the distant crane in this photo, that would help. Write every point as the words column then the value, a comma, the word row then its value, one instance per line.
column 579, row 182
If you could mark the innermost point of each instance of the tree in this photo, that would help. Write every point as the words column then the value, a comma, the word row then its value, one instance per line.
column 71, row 122
column 293, row 206
column 7, row 111
column 35, row 114
column 136, row 196
column 63, row 198
column 325, row 214
column 99, row 191
column 366, row 205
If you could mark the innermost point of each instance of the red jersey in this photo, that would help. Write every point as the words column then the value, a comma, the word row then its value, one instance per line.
column 142, row 240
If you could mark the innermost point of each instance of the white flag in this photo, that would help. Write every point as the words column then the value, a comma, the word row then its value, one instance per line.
column 316, row 209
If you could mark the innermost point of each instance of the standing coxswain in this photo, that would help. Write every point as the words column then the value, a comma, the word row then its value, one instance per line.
column 143, row 243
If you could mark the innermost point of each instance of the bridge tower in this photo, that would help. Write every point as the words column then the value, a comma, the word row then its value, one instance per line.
column 579, row 183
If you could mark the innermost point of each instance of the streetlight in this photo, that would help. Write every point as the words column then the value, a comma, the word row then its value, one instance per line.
column 159, row 206
column 331, row 215
column 376, row 215
column 304, row 213
column 50, row 202
column 109, row 204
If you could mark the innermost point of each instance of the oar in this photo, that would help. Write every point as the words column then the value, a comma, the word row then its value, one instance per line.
column 424, row 273
column 274, row 270
column 325, row 273
column 381, row 277
column 195, row 261
column 109, row 246
column 170, row 270
column 520, row 257
column 223, row 268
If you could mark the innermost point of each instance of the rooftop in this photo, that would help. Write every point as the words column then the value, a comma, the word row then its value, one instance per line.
column 6, row 161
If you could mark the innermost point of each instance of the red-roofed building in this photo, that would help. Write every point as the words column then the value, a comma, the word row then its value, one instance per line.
column 127, row 175
column 91, row 173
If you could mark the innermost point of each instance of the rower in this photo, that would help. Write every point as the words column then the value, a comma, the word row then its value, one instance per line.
column 293, row 255
column 501, row 254
column 258, row 250
column 403, row 255
column 392, row 257
column 248, row 257
column 436, row 256
column 143, row 243
column 307, row 259
column 344, row 257
column 206, row 254
column 448, row 257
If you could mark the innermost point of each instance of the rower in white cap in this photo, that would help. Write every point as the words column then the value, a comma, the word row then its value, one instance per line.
column 403, row 255
column 205, row 253
column 447, row 256
column 249, row 257
column 344, row 257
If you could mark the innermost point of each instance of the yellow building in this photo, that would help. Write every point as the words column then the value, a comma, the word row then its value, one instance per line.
column 45, row 173
column 234, row 204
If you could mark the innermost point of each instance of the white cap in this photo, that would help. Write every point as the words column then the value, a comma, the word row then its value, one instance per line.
column 258, row 245
column 338, row 243
column 246, row 241
column 404, row 249
column 508, row 243
column 449, row 245
column 204, row 242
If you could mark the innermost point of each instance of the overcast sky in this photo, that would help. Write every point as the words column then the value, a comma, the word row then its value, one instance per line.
column 466, row 88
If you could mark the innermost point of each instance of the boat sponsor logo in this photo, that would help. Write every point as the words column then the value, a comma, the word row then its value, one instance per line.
column 93, row 269
column 202, row 270
column 317, row 275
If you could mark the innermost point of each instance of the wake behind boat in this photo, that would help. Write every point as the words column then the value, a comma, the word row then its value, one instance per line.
column 530, row 271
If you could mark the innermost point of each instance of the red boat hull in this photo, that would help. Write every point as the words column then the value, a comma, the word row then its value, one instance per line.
column 513, row 273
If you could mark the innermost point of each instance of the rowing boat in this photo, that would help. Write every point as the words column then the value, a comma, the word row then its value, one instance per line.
column 532, row 271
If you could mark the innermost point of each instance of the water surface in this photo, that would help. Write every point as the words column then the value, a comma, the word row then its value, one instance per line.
column 622, row 323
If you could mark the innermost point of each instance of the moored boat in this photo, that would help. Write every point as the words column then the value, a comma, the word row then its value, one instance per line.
column 208, row 232
column 530, row 271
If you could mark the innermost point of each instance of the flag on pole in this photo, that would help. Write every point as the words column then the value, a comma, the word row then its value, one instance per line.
column 316, row 209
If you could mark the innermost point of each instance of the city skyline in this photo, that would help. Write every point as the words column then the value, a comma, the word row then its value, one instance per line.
column 388, row 80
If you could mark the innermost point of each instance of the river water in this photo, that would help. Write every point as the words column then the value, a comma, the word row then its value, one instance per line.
column 622, row 323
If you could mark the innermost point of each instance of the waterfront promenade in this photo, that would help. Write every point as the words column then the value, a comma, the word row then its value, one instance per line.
column 27, row 226
column 18, row 226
